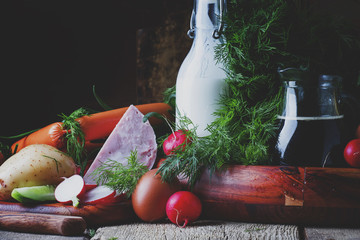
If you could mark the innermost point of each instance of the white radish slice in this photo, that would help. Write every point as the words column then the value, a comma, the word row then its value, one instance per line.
column 99, row 195
column 70, row 190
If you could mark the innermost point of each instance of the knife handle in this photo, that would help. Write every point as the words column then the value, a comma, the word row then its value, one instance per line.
column 42, row 223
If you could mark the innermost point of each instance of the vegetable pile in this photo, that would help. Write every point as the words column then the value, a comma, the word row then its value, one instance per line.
column 122, row 169
column 80, row 133
column 262, row 36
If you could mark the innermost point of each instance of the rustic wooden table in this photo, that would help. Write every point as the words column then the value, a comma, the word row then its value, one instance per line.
column 200, row 230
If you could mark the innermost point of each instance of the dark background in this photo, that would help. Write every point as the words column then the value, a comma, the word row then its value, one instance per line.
column 53, row 52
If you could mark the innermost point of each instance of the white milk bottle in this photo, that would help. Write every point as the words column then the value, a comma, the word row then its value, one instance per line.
column 201, row 78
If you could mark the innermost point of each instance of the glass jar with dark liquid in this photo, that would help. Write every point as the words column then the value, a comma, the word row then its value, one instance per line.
column 311, row 125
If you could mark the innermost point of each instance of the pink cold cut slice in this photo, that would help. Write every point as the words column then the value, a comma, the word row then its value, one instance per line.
column 130, row 134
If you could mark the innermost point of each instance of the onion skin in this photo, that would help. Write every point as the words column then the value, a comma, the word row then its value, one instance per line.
column 150, row 196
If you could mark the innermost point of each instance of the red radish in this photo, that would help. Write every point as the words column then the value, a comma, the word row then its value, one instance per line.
column 352, row 153
column 119, row 196
column 99, row 195
column 183, row 207
column 176, row 140
column 70, row 190
column 90, row 186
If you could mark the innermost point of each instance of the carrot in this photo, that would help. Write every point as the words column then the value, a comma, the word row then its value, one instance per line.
column 95, row 126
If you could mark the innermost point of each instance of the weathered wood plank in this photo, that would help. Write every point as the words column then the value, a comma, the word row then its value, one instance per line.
column 199, row 230
column 332, row 187
column 332, row 233
column 6, row 235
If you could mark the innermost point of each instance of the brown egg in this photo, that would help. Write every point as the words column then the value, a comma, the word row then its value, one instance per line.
column 150, row 196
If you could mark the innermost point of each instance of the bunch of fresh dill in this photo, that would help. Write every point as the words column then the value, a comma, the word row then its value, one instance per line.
column 261, row 37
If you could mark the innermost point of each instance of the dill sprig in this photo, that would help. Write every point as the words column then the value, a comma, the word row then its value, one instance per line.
column 185, row 160
column 75, row 137
column 118, row 176
column 263, row 36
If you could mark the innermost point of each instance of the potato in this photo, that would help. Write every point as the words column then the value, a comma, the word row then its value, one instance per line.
column 34, row 165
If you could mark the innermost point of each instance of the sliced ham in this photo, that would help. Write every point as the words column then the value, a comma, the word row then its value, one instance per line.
column 129, row 134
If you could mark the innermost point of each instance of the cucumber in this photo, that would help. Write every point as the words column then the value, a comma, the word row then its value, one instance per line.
column 34, row 194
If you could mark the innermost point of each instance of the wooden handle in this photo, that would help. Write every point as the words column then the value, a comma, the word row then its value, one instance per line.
column 42, row 223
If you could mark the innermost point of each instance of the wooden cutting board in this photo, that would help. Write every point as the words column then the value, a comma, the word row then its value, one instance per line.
column 263, row 194
column 94, row 215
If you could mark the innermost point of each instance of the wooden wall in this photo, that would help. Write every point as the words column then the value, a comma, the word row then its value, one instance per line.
column 160, row 52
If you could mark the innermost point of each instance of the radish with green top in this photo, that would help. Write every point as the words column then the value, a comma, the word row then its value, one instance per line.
column 176, row 141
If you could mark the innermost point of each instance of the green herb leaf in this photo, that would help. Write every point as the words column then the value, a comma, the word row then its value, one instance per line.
column 18, row 136
column 100, row 101
column 75, row 138
column 117, row 176
column 152, row 114
column 55, row 160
